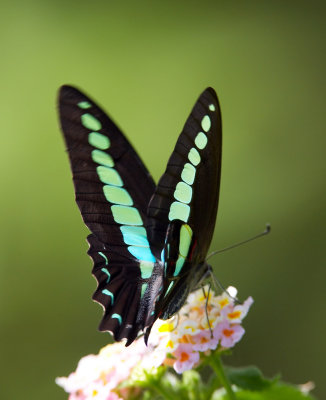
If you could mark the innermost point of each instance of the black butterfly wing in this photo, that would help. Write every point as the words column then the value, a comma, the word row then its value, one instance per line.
column 182, row 211
column 113, row 189
column 189, row 188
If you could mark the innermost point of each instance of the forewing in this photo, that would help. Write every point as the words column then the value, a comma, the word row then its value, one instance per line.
column 189, row 189
column 113, row 189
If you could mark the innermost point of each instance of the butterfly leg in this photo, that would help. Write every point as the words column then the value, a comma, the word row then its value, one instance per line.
column 218, row 286
column 206, row 307
column 177, row 322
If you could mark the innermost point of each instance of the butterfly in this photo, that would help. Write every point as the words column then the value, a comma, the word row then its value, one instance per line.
column 148, row 242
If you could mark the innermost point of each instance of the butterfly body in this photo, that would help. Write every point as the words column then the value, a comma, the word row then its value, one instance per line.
column 148, row 243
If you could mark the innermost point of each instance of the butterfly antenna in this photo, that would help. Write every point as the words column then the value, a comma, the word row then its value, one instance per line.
column 265, row 232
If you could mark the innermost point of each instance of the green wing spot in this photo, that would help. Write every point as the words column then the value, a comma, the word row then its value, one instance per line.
column 90, row 122
column 134, row 235
column 100, row 157
column 108, row 293
column 104, row 256
column 194, row 156
column 84, row 105
column 125, row 215
column 188, row 173
column 109, row 176
column 98, row 140
column 118, row 317
column 206, row 123
column 211, row 107
column 201, row 140
column 107, row 273
column 146, row 269
column 179, row 211
column 117, row 195
column 142, row 253
column 143, row 289
column 185, row 240
column 183, row 192
column 184, row 245
column 169, row 288
column 179, row 265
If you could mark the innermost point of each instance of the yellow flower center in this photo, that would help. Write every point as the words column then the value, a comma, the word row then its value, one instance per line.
column 228, row 332
column 224, row 302
column 234, row 314
column 167, row 327
column 184, row 357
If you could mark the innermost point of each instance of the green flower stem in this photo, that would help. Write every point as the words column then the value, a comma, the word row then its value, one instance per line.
column 216, row 364
column 156, row 386
column 159, row 389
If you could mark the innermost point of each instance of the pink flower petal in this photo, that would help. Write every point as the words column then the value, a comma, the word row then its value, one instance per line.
column 235, row 314
column 186, row 358
column 228, row 334
column 203, row 341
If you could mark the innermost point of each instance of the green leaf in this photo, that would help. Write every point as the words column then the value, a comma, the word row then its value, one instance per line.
column 249, row 378
column 278, row 391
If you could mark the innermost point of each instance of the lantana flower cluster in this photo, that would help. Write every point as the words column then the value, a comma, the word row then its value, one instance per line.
column 202, row 325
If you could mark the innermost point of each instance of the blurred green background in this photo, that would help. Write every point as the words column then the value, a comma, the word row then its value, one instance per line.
column 146, row 63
